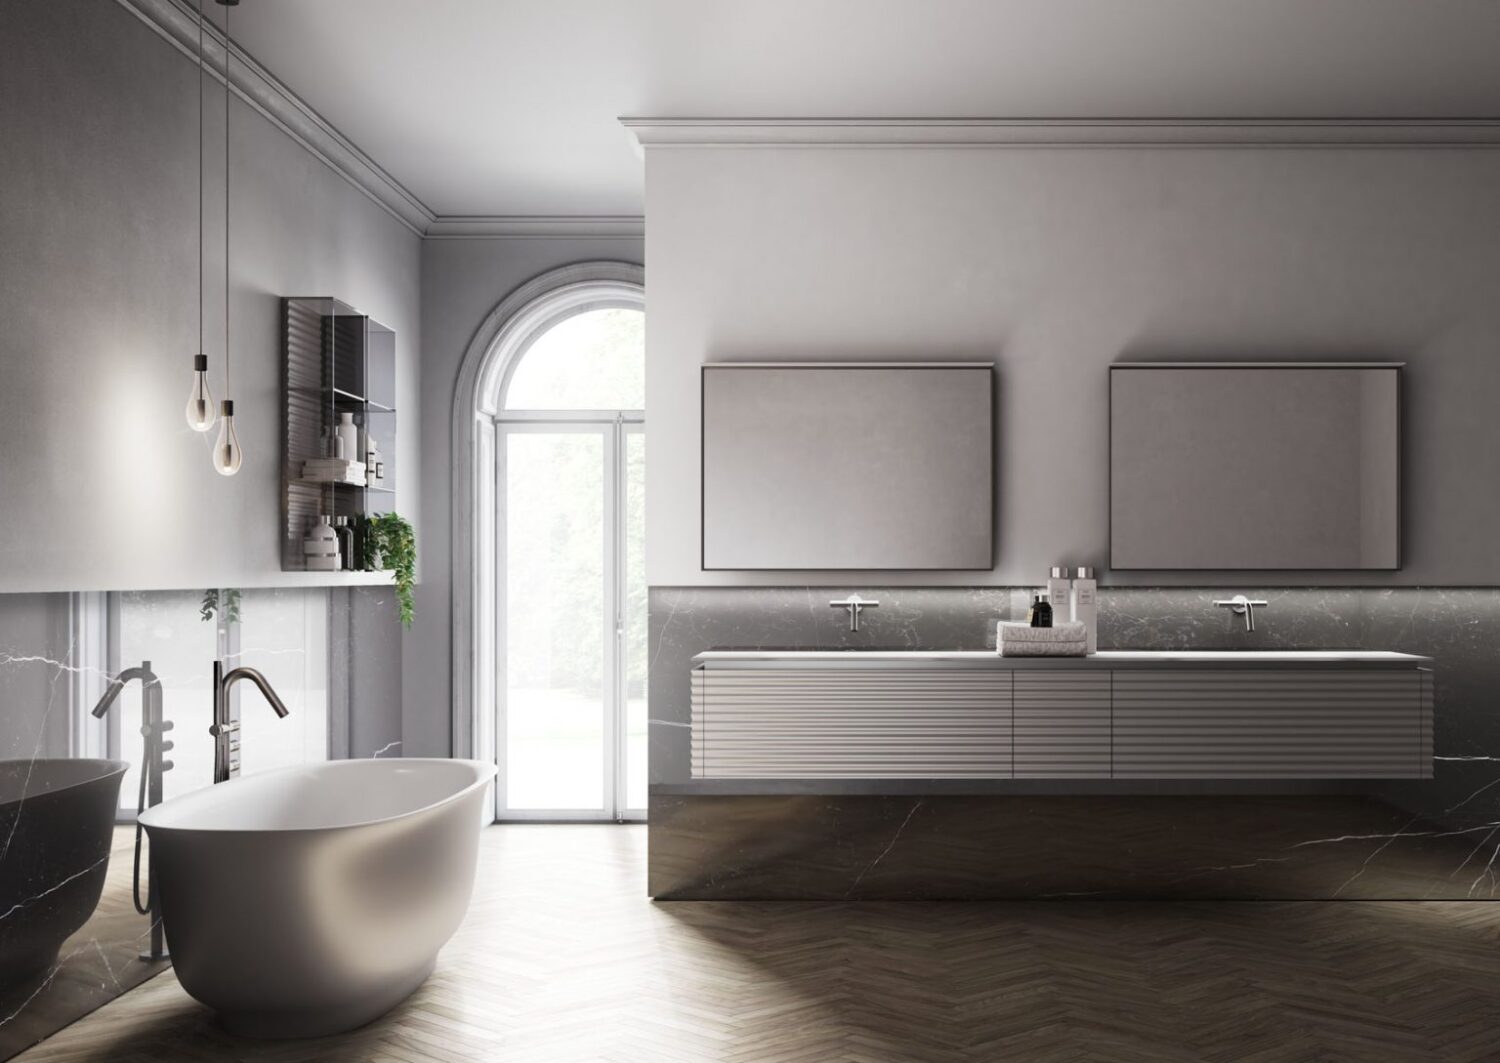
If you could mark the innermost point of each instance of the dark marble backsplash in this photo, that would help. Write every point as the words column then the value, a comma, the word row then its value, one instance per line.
column 1459, row 628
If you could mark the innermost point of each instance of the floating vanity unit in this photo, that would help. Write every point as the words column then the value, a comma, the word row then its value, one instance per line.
column 1113, row 715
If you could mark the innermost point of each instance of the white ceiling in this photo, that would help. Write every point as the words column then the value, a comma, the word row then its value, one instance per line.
column 509, row 107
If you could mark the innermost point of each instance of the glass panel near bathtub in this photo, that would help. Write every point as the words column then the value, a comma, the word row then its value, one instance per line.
column 178, row 633
column 71, row 934
column 283, row 634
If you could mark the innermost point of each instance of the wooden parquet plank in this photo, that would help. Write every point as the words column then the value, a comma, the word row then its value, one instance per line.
column 563, row 959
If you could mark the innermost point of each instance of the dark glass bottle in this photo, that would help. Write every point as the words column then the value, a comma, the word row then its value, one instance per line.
column 346, row 543
column 1040, row 613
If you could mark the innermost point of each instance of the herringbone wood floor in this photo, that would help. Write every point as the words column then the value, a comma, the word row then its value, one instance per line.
column 563, row 958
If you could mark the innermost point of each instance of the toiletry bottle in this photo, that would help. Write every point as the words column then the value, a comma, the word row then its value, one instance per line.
column 1086, row 605
column 320, row 549
column 1058, row 588
column 349, row 434
column 374, row 467
column 1040, row 613
column 346, row 542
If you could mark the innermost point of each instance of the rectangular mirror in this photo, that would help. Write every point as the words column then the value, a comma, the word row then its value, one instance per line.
column 848, row 466
column 1255, row 466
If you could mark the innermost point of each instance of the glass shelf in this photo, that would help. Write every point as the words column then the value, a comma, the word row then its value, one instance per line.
column 346, row 483
column 340, row 397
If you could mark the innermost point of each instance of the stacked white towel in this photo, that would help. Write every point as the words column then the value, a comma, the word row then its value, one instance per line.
column 334, row 471
column 1067, row 639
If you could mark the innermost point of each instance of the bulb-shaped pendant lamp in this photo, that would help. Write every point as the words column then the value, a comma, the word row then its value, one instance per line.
column 227, row 453
column 200, row 403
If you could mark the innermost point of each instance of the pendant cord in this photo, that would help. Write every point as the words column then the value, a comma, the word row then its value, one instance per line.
column 227, row 47
column 200, row 177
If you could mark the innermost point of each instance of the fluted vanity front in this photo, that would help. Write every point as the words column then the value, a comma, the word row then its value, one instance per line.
column 1123, row 714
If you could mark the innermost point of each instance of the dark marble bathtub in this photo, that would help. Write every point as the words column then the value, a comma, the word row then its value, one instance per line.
column 56, row 823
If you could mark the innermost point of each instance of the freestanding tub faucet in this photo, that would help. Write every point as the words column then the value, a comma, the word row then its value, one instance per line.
column 153, row 766
column 226, row 725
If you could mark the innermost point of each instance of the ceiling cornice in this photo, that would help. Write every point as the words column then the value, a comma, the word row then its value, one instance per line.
column 1060, row 133
column 177, row 23
column 533, row 226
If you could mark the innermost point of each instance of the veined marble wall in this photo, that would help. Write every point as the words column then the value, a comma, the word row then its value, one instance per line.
column 1459, row 809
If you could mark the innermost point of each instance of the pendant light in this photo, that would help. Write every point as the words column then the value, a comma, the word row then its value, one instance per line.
column 227, row 453
column 200, row 403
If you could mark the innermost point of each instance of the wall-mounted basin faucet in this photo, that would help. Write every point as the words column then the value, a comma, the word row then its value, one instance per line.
column 226, row 725
column 854, row 603
column 1243, row 606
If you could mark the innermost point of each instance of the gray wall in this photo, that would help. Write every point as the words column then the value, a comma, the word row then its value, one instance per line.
column 102, row 485
column 1055, row 263
column 462, row 281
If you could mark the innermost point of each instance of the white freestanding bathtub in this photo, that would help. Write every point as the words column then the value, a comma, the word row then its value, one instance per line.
column 310, row 900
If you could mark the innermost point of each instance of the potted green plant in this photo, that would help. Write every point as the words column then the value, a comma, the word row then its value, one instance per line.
column 390, row 545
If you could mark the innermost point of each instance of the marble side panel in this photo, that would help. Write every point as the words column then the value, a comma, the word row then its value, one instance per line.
column 947, row 847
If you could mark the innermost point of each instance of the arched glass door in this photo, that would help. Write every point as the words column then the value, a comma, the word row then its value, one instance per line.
column 570, row 452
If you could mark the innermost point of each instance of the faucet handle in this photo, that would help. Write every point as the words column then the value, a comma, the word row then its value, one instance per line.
column 1239, row 603
column 1243, row 606
column 854, row 603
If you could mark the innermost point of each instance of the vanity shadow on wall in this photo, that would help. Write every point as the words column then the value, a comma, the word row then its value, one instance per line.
column 821, row 769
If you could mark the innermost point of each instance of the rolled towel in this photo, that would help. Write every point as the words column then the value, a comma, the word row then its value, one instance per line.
column 1067, row 639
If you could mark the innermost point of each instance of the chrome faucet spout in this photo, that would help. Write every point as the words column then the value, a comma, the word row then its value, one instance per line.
column 142, row 672
column 230, row 678
column 226, row 725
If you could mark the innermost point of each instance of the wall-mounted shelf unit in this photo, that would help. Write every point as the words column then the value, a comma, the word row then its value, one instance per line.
column 337, row 360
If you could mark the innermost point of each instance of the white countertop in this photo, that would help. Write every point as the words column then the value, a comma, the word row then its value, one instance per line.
column 1102, row 658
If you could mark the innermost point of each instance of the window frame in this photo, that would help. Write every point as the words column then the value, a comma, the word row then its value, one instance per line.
column 497, row 345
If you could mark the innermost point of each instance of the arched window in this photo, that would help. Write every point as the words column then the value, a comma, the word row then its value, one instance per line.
column 556, row 583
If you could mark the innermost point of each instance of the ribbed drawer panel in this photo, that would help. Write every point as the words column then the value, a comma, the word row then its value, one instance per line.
column 1062, row 724
column 1338, row 723
column 850, row 722
column 1427, row 706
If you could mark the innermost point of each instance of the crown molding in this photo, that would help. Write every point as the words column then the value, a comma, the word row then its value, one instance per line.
column 177, row 23
column 1061, row 133
column 535, row 226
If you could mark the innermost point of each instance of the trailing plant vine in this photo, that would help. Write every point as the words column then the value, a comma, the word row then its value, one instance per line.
column 215, row 600
column 391, row 545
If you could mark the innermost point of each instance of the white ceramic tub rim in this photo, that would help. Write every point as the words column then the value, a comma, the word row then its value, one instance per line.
column 152, row 818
